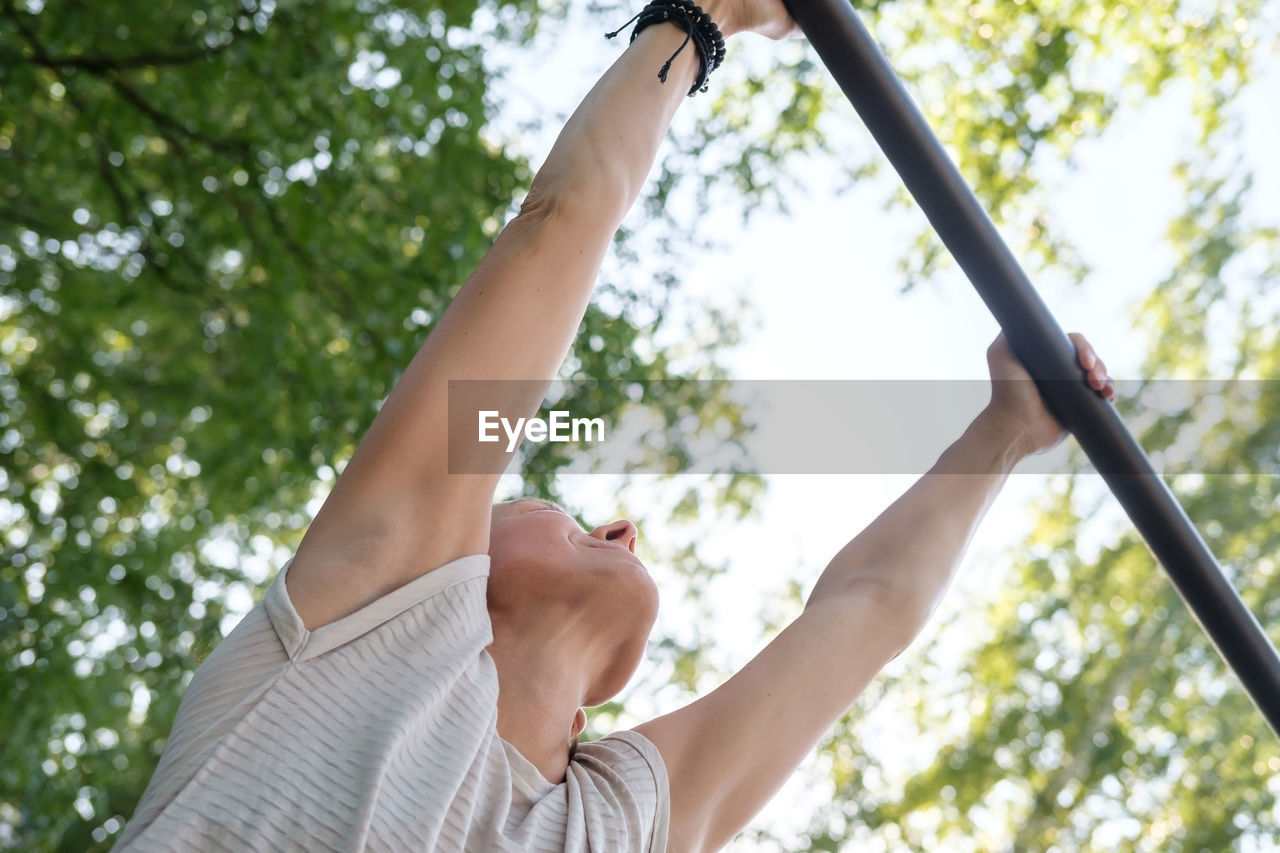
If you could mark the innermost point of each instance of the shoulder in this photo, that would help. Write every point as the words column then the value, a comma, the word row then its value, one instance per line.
column 447, row 603
column 621, row 782
column 629, row 754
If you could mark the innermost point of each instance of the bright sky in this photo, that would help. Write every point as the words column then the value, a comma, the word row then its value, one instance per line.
column 827, row 305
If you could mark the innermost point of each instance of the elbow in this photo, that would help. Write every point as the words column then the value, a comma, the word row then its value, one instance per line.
column 898, row 615
column 538, row 205
column 544, row 202
column 886, row 592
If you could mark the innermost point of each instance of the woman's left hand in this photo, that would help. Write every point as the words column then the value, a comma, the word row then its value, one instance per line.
column 1016, row 403
column 768, row 18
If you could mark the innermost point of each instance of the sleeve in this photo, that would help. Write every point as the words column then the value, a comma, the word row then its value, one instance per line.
column 620, row 782
column 467, row 617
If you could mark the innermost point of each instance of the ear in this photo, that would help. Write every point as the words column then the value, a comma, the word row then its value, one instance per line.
column 579, row 722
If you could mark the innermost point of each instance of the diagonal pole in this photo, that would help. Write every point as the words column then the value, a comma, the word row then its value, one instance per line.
column 856, row 63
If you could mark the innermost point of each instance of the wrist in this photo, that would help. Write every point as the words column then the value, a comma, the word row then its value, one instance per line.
column 1001, row 437
column 722, row 16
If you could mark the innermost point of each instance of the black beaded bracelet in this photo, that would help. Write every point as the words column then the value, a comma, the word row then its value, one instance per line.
column 697, row 25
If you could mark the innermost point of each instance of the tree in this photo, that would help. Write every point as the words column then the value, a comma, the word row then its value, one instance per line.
column 225, row 229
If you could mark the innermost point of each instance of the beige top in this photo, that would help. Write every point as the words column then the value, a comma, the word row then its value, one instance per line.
column 379, row 732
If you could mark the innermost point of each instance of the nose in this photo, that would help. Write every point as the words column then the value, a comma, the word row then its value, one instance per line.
column 621, row 531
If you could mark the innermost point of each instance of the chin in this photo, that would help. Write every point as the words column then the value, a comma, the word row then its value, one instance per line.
column 616, row 677
column 631, row 626
column 637, row 603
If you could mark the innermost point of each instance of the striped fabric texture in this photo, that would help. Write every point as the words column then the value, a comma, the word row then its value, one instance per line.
column 379, row 732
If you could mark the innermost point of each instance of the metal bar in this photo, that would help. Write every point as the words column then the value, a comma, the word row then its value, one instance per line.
column 856, row 63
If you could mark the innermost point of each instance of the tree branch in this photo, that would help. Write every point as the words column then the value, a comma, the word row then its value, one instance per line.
column 164, row 120
column 104, row 64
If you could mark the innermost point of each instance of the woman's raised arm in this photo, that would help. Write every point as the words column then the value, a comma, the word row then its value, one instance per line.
column 395, row 512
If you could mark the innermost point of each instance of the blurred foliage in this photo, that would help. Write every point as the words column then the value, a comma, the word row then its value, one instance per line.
column 1022, row 82
column 1007, row 86
column 225, row 228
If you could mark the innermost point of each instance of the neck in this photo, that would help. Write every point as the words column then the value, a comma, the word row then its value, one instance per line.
column 540, row 689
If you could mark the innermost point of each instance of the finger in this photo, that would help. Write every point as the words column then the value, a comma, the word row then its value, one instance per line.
column 1103, row 384
column 1098, row 376
column 1084, row 351
column 994, row 349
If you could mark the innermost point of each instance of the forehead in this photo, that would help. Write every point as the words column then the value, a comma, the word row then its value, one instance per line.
column 536, row 503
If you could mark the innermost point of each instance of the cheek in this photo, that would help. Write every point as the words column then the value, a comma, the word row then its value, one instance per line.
column 523, row 540
column 527, row 562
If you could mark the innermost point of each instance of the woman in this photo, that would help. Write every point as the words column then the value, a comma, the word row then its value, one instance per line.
column 416, row 676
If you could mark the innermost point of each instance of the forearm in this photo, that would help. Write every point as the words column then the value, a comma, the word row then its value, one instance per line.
column 907, row 557
column 605, row 152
